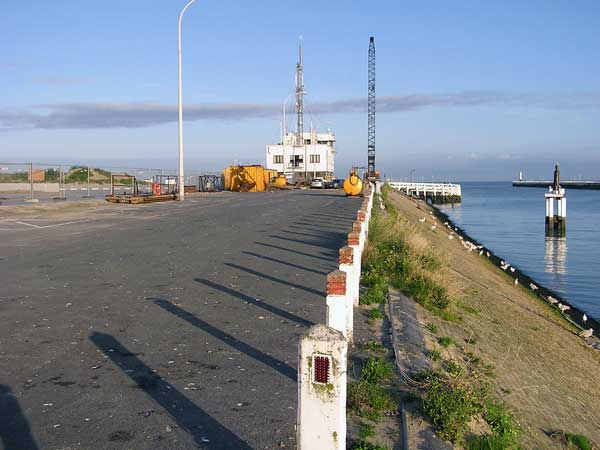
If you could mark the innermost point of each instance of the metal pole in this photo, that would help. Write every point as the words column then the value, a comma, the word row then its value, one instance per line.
column 181, row 181
column 88, row 182
column 30, row 181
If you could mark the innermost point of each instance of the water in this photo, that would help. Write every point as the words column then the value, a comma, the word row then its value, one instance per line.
column 510, row 221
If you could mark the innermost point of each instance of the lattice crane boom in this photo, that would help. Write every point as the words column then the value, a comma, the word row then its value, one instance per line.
column 371, row 111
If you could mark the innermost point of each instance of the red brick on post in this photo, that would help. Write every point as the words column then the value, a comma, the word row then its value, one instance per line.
column 346, row 255
column 356, row 227
column 336, row 283
column 361, row 215
column 353, row 238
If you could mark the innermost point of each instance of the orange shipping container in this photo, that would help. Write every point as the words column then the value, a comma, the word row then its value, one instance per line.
column 247, row 178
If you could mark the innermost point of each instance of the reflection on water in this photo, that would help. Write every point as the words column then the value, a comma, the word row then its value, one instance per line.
column 555, row 256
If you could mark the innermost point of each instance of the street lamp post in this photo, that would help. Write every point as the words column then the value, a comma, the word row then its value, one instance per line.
column 180, row 105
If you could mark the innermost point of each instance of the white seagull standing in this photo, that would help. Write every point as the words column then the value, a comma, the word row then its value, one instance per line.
column 587, row 333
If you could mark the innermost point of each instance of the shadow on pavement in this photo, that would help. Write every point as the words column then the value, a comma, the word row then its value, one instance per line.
column 206, row 431
column 310, row 255
column 276, row 280
column 272, row 309
column 15, row 433
column 285, row 263
column 228, row 339
column 324, row 243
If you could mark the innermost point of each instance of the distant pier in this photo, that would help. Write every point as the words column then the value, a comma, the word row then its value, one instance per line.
column 437, row 193
column 592, row 185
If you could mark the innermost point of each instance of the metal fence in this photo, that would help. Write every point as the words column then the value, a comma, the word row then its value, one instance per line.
column 33, row 182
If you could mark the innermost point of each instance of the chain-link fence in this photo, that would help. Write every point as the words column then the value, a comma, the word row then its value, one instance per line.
column 34, row 182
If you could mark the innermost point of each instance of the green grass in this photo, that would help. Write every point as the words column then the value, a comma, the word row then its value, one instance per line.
column 369, row 400
column 452, row 404
column 366, row 430
column 445, row 341
column 375, row 314
column 362, row 445
column 434, row 355
column 376, row 370
column 373, row 346
column 578, row 441
column 393, row 257
column 432, row 327
column 487, row 442
column 468, row 308
column 453, row 368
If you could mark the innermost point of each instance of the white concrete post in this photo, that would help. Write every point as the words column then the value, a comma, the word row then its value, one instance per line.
column 353, row 242
column 322, row 369
column 337, row 301
column 346, row 262
column 551, row 207
column 563, row 209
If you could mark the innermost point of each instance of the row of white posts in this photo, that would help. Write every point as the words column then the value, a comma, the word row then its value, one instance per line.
column 323, row 350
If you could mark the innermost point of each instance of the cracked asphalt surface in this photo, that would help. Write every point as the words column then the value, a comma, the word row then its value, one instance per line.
column 163, row 326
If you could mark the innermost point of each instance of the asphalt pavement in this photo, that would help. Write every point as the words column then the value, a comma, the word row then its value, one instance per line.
column 162, row 326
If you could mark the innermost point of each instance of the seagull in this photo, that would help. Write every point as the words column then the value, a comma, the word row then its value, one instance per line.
column 512, row 269
column 433, row 228
column 584, row 318
column 481, row 253
column 422, row 220
column 552, row 300
column 516, row 281
column 487, row 254
column 533, row 286
column 587, row 333
column 563, row 308
column 450, row 237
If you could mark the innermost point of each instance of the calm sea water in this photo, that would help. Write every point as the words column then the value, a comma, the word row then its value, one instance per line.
column 510, row 221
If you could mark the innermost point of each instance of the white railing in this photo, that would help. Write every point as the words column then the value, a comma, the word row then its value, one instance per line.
column 410, row 188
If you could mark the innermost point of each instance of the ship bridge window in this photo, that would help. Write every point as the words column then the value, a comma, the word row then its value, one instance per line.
column 277, row 159
column 315, row 159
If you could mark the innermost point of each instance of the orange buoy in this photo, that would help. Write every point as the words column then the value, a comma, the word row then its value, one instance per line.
column 353, row 185
column 281, row 181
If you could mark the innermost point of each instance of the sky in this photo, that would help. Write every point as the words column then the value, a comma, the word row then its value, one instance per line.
column 466, row 90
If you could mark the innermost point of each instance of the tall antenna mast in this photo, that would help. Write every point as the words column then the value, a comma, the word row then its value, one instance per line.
column 371, row 120
column 299, row 97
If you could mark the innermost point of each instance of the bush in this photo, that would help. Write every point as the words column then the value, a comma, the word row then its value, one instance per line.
column 503, row 424
column 445, row 341
column 375, row 294
column 369, row 400
column 451, row 404
column 434, row 355
column 578, row 441
column 375, row 314
column 487, row 442
column 366, row 430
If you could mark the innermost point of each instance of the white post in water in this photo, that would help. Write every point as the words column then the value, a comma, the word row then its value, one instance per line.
column 556, row 224
column 322, row 370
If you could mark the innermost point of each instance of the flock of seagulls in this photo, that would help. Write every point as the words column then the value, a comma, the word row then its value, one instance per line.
column 504, row 265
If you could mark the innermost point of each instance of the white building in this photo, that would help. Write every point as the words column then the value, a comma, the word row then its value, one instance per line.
column 298, row 161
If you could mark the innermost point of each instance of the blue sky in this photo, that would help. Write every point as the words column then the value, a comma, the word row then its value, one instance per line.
column 467, row 90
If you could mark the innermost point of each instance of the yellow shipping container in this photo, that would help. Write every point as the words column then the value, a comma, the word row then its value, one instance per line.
column 247, row 178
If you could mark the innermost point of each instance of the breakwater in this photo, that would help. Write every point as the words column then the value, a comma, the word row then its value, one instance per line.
column 591, row 185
